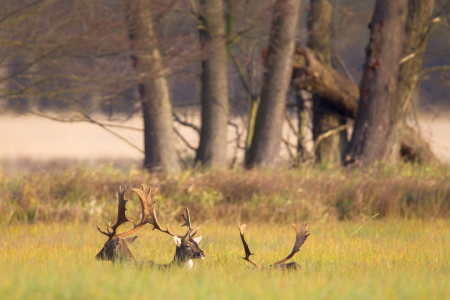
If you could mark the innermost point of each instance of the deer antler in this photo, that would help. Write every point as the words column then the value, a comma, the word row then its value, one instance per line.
column 187, row 222
column 246, row 248
column 121, row 217
column 302, row 234
column 146, row 204
column 154, row 222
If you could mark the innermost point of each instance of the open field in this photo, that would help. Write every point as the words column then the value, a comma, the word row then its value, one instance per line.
column 35, row 139
column 48, row 236
column 386, row 259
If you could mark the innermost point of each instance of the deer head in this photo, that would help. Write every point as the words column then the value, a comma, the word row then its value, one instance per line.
column 116, row 247
column 186, row 246
column 301, row 234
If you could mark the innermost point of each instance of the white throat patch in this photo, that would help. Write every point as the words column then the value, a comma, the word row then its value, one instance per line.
column 189, row 264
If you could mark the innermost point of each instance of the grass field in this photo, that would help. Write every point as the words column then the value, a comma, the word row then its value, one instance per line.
column 383, row 260
column 48, row 236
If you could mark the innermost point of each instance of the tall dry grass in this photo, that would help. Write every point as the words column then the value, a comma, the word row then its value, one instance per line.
column 278, row 195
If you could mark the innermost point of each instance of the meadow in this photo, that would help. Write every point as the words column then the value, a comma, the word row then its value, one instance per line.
column 383, row 260
column 48, row 235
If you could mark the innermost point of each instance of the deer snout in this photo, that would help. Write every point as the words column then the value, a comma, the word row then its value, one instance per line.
column 202, row 255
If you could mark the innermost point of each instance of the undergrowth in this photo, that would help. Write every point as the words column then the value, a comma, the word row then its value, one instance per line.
column 270, row 195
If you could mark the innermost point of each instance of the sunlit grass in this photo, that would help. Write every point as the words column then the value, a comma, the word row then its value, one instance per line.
column 386, row 259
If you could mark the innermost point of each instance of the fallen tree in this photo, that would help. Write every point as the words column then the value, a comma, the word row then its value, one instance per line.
column 311, row 74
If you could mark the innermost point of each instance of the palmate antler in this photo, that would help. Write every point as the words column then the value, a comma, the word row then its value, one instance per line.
column 301, row 233
column 146, row 206
column 121, row 217
column 246, row 248
column 154, row 220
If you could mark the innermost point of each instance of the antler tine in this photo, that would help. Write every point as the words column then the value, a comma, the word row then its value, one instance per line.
column 121, row 217
column 246, row 248
column 105, row 233
column 146, row 205
column 187, row 222
column 154, row 221
column 156, row 225
column 301, row 234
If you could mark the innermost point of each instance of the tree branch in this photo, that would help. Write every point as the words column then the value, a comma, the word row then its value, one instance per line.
column 113, row 133
column 434, row 69
column 184, row 140
column 288, row 148
column 328, row 133
column 177, row 119
column 89, row 120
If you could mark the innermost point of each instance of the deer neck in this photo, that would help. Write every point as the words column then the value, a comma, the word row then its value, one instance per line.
column 180, row 260
column 188, row 264
column 124, row 257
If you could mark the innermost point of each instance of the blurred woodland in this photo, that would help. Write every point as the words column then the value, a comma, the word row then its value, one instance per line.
column 358, row 70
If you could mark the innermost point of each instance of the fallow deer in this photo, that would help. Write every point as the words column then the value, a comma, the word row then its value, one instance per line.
column 187, row 247
column 116, row 248
column 301, row 236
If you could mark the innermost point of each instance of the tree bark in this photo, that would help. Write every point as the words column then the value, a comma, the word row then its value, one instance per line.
column 212, row 150
column 311, row 75
column 414, row 148
column 160, row 153
column 302, row 152
column 418, row 25
column 325, row 116
column 278, row 65
column 373, row 124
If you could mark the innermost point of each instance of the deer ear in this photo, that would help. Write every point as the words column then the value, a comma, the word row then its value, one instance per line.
column 130, row 240
column 198, row 239
column 177, row 240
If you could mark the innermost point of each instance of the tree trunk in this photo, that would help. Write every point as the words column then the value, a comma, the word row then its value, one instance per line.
column 278, row 65
column 251, row 117
column 311, row 75
column 212, row 150
column 374, row 119
column 325, row 116
column 418, row 25
column 302, row 152
column 160, row 153
column 414, row 148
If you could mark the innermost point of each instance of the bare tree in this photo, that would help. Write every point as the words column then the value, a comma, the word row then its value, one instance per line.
column 73, row 68
column 418, row 26
column 374, row 120
column 159, row 141
column 212, row 149
column 312, row 75
column 325, row 116
column 278, row 70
